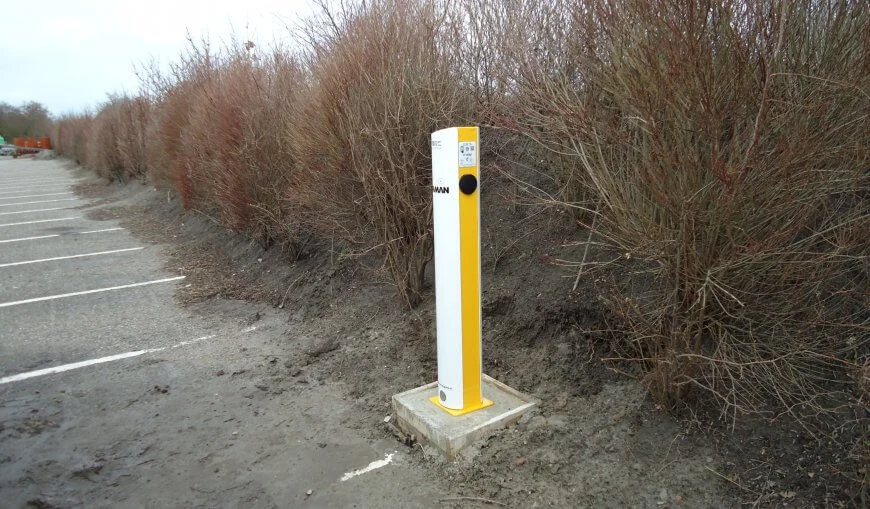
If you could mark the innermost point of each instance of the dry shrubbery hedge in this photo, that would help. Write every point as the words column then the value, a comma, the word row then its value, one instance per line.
column 112, row 142
column 724, row 145
column 229, row 153
column 69, row 136
column 382, row 79
column 331, row 141
column 721, row 145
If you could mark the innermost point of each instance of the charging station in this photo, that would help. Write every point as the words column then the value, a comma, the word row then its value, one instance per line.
column 458, row 315
column 464, row 404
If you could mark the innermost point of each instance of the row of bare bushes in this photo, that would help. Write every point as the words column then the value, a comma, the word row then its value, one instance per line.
column 719, row 147
column 218, row 137
column 382, row 80
column 724, row 149
column 331, row 141
column 726, row 146
column 112, row 142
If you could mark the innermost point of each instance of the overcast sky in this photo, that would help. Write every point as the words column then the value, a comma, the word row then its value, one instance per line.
column 69, row 54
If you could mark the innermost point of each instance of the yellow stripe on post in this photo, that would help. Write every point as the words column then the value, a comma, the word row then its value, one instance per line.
column 456, row 227
column 469, row 248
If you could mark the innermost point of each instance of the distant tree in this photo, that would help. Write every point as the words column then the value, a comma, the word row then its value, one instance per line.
column 29, row 119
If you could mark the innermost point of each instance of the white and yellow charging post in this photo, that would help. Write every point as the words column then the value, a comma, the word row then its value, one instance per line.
column 458, row 315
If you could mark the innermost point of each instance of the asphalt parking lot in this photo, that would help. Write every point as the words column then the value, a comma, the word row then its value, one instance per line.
column 112, row 395
column 73, row 289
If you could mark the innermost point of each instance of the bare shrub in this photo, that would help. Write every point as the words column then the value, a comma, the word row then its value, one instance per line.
column 483, row 33
column 383, row 79
column 133, row 117
column 112, row 143
column 725, row 146
column 171, row 94
column 276, row 214
column 69, row 136
column 218, row 137
column 166, row 159
column 103, row 154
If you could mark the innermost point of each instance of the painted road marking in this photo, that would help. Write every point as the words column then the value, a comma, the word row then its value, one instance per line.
column 31, row 189
column 40, row 221
column 86, row 292
column 59, row 235
column 29, row 211
column 30, row 238
column 101, row 360
column 98, row 231
column 35, row 175
column 27, row 185
column 29, row 177
column 33, row 181
column 374, row 465
column 33, row 196
column 25, row 188
column 98, row 253
column 33, row 202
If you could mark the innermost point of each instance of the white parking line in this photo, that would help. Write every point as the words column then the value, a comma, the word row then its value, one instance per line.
column 56, row 258
column 86, row 292
column 35, row 202
column 98, row 231
column 374, row 465
column 30, row 238
column 32, row 196
column 29, row 176
column 59, row 235
column 26, row 185
column 28, row 189
column 25, row 178
column 35, row 210
column 101, row 360
column 40, row 221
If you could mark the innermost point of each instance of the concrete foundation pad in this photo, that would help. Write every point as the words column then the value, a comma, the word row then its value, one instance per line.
column 416, row 415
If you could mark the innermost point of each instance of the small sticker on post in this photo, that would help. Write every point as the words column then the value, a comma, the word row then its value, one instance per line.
column 467, row 154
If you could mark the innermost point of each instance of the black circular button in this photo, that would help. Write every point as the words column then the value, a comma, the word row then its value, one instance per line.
column 442, row 396
column 468, row 184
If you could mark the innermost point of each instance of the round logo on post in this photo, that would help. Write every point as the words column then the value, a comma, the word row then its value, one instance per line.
column 442, row 396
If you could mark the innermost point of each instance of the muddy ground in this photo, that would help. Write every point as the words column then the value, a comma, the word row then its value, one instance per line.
column 597, row 440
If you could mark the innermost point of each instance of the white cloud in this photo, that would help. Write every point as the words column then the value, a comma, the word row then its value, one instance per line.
column 76, row 52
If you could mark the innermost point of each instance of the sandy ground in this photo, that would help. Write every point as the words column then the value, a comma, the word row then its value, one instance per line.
column 287, row 382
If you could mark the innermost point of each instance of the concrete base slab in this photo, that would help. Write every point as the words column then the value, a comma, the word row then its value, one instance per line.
column 417, row 415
